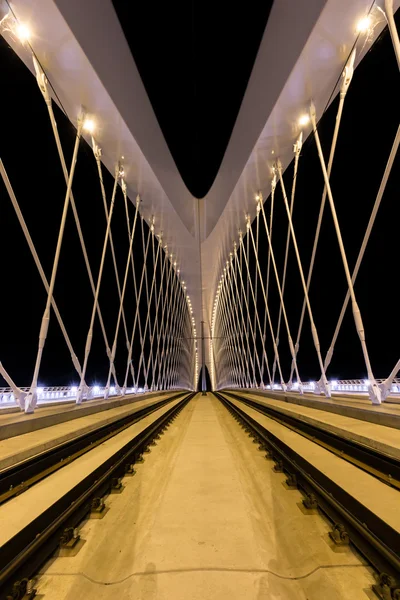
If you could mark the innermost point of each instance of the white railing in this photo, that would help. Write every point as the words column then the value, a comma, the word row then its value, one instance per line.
column 62, row 393
column 348, row 386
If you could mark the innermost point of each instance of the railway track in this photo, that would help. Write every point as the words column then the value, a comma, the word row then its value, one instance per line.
column 17, row 478
column 377, row 463
column 352, row 521
column 23, row 554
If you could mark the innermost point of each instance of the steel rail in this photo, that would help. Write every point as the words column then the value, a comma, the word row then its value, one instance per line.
column 353, row 522
column 17, row 478
column 383, row 466
column 23, row 554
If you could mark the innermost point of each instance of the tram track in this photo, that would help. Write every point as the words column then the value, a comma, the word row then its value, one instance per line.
column 23, row 554
column 352, row 521
column 373, row 461
column 17, row 478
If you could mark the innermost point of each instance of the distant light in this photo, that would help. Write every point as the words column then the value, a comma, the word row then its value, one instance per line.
column 140, row 390
column 89, row 125
column 39, row 390
column 334, row 382
column 304, row 120
column 364, row 24
column 96, row 389
column 23, row 32
column 74, row 389
column 122, row 157
column 367, row 382
column 272, row 151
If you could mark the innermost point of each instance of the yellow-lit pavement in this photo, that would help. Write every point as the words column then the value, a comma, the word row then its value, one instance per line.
column 205, row 517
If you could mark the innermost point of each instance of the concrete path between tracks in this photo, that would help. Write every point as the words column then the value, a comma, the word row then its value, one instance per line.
column 206, row 518
column 22, row 510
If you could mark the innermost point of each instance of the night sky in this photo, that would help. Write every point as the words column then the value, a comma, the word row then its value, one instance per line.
column 196, row 76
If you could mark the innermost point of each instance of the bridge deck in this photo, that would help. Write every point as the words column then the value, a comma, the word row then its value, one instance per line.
column 22, row 447
column 382, row 438
column 18, row 423
column 206, row 517
column 22, row 510
column 357, row 407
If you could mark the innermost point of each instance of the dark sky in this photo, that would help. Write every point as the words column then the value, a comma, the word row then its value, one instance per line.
column 195, row 60
column 195, row 70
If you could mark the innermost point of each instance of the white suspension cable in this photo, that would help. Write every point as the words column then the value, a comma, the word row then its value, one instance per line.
column 149, row 302
column 17, row 392
column 324, row 386
column 31, row 398
column 111, row 370
column 182, row 347
column 347, row 77
column 236, row 330
column 243, row 251
column 256, row 317
column 374, row 391
column 178, row 350
column 296, row 149
column 290, row 341
column 124, row 192
column 271, row 220
column 165, row 317
column 158, row 303
column 230, row 336
column 386, row 386
column 43, row 86
column 97, row 155
column 244, row 323
column 172, row 332
column 164, row 303
column 89, row 337
column 137, row 316
column 255, row 296
column 156, row 297
column 169, row 324
column 238, row 326
column 267, row 313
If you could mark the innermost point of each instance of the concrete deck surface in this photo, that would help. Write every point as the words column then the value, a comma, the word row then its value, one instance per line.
column 357, row 407
column 22, row 510
column 18, row 423
column 381, row 499
column 206, row 518
column 382, row 438
column 22, row 447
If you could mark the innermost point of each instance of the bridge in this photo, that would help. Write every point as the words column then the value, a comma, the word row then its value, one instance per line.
column 128, row 300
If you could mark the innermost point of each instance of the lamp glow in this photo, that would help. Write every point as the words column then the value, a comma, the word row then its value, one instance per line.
column 23, row 32
column 89, row 125
column 304, row 120
column 364, row 24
